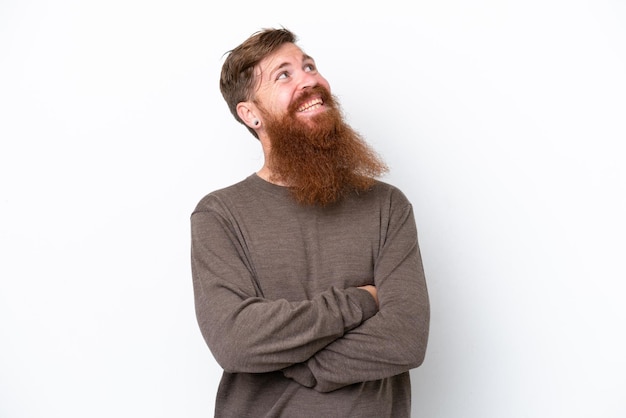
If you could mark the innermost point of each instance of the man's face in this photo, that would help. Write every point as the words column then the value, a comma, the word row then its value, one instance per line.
column 284, row 77
column 311, row 148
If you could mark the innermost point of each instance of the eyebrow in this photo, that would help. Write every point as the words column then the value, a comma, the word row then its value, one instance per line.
column 305, row 57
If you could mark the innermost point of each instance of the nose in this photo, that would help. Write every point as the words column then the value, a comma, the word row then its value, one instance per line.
column 308, row 80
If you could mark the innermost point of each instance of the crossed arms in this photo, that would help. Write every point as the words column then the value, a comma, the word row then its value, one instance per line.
column 338, row 337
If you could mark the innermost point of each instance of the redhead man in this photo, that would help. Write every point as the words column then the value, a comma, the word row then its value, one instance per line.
column 308, row 281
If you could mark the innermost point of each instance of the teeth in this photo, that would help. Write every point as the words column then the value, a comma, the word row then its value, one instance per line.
column 313, row 104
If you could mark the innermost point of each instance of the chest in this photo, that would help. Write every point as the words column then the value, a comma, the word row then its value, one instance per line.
column 296, row 255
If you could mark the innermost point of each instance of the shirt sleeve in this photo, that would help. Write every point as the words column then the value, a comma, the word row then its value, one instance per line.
column 247, row 333
column 394, row 340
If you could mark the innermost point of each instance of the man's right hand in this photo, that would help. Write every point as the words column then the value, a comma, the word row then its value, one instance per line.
column 372, row 291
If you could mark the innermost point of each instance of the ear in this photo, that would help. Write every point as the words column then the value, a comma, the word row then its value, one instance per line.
column 248, row 113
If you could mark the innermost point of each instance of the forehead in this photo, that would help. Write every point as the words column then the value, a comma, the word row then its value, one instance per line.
column 286, row 55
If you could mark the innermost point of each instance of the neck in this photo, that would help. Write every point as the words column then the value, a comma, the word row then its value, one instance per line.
column 266, row 174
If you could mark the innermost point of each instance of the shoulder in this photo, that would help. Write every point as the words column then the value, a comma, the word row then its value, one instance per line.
column 245, row 196
column 390, row 193
column 382, row 200
column 221, row 197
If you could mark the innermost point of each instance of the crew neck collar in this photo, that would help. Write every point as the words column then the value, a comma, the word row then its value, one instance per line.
column 263, row 184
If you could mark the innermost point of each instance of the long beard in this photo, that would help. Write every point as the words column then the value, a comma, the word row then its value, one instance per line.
column 322, row 160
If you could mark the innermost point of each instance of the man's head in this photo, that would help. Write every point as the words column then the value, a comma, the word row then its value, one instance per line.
column 275, row 89
column 239, row 72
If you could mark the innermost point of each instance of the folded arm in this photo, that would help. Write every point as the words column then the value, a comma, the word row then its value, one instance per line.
column 246, row 332
column 394, row 340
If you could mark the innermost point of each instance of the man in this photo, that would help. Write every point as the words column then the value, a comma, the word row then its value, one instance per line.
column 308, row 282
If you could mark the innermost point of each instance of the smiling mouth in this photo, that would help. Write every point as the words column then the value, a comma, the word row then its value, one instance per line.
column 311, row 105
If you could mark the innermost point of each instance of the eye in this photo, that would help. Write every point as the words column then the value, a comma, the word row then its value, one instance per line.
column 282, row 75
column 309, row 67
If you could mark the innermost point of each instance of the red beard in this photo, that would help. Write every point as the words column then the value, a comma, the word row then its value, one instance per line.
column 322, row 160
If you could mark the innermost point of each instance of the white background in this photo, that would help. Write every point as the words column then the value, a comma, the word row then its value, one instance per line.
column 503, row 122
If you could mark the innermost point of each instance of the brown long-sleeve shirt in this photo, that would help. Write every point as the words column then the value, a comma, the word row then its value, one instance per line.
column 277, row 301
